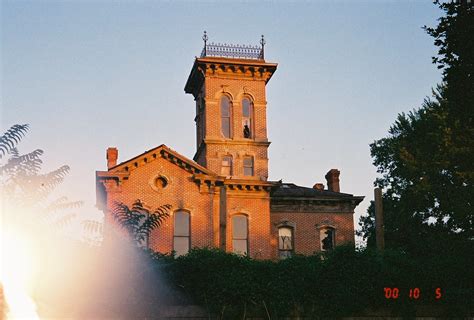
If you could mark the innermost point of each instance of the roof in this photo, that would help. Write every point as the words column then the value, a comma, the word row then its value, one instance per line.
column 164, row 151
column 291, row 190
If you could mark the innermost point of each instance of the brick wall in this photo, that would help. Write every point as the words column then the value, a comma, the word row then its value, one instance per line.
column 181, row 193
column 307, row 228
column 237, row 146
column 256, row 206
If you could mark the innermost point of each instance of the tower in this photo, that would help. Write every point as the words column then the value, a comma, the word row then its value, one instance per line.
column 228, row 83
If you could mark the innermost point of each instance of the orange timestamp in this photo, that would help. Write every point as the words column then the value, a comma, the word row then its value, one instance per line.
column 412, row 293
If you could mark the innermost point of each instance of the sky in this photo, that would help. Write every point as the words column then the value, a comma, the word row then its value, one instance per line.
column 87, row 75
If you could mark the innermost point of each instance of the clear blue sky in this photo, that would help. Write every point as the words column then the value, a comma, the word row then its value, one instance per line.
column 91, row 74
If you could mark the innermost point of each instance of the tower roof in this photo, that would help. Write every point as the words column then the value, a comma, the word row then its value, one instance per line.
column 225, row 50
column 228, row 60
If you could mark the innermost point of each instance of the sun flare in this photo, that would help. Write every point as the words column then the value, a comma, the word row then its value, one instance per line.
column 16, row 274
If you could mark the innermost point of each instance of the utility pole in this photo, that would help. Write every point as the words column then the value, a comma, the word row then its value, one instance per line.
column 379, row 227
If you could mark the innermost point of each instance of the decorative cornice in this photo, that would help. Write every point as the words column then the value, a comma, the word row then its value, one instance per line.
column 336, row 205
column 242, row 142
column 227, row 68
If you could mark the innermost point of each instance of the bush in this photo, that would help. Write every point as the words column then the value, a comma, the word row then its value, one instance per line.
column 343, row 282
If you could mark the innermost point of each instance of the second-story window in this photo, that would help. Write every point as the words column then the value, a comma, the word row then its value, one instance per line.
column 226, row 112
column 248, row 166
column 247, row 118
column 226, row 166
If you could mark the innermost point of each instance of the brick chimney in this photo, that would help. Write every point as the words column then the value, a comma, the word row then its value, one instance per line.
column 332, row 177
column 112, row 155
column 318, row 186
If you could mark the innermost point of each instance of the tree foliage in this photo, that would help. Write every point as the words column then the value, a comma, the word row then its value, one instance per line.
column 26, row 190
column 138, row 220
column 343, row 282
column 426, row 161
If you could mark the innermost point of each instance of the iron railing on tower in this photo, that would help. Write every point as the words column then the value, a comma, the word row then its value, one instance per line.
column 232, row 51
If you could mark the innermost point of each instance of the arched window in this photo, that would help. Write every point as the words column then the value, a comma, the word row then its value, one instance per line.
column 327, row 235
column 240, row 234
column 226, row 112
column 226, row 166
column 248, row 166
column 285, row 242
column 247, row 122
column 181, row 239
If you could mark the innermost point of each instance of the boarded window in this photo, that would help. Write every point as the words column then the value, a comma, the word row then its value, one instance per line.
column 225, row 117
column 248, row 166
column 181, row 232
column 226, row 166
column 240, row 234
column 285, row 242
column 327, row 236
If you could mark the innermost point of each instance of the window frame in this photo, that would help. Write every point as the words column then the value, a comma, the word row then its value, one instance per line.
column 333, row 236
column 286, row 253
column 229, row 117
column 181, row 211
column 252, row 167
column 241, row 215
column 249, row 118
column 229, row 166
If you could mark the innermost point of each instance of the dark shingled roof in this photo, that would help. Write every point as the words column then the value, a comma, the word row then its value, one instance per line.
column 291, row 190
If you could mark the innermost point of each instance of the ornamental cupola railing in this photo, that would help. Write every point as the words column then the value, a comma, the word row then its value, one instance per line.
column 224, row 50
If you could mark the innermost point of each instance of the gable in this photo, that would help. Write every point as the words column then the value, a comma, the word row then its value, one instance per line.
column 151, row 155
column 139, row 174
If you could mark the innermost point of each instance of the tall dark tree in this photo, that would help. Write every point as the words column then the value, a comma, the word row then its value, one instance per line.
column 427, row 160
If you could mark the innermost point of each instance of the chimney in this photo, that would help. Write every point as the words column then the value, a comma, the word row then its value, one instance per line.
column 332, row 177
column 112, row 155
column 318, row 186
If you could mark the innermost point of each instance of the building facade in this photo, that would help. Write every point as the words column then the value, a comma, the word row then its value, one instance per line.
column 222, row 197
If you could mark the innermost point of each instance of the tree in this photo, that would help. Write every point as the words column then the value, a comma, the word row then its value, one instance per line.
column 139, row 221
column 426, row 162
column 25, row 190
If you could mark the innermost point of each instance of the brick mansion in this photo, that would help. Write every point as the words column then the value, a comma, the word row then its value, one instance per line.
column 222, row 197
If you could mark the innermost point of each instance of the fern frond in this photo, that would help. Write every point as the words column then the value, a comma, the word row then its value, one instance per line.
column 11, row 138
column 92, row 226
column 27, row 163
column 62, row 221
column 50, row 180
column 62, row 204
column 138, row 220
column 152, row 222
column 127, row 219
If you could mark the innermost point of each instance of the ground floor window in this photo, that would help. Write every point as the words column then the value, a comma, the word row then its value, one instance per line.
column 285, row 242
column 327, row 236
column 181, row 239
column 240, row 234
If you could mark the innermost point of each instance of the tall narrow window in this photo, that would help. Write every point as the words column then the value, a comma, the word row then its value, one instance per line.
column 247, row 118
column 327, row 236
column 202, row 120
column 225, row 117
column 285, row 242
column 181, row 232
column 240, row 234
column 226, row 166
column 248, row 166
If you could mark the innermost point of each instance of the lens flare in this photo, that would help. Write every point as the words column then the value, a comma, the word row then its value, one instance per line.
column 16, row 274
